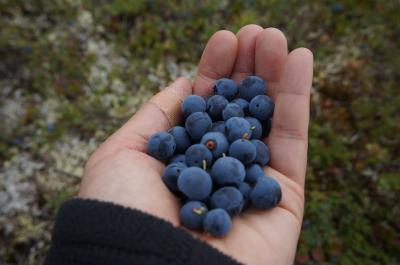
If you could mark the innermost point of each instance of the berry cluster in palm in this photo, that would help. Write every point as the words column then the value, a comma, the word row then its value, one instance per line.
column 215, row 159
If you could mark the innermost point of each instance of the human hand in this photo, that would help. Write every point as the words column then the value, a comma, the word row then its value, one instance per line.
column 121, row 172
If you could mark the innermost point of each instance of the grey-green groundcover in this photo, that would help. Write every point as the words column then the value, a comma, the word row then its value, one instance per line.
column 73, row 71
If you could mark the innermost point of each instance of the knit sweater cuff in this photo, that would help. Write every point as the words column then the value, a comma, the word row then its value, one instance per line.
column 94, row 232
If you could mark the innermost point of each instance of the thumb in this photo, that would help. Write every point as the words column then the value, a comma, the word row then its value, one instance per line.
column 160, row 113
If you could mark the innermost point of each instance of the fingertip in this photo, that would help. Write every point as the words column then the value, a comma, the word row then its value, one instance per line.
column 184, row 80
column 221, row 43
column 224, row 34
column 298, row 71
column 272, row 39
column 249, row 29
column 183, row 86
column 303, row 52
column 276, row 32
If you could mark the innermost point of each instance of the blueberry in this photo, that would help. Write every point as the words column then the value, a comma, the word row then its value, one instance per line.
column 218, row 126
column 245, row 188
column 215, row 105
column 336, row 8
column 266, row 194
column 262, row 107
column 192, row 104
column 244, row 104
column 262, row 156
column 195, row 183
column 232, row 110
column 192, row 214
column 256, row 127
column 182, row 139
column 227, row 171
column 228, row 198
column 216, row 142
column 171, row 174
column 226, row 87
column 179, row 158
column 161, row 145
column 217, row 222
column 51, row 127
column 251, row 86
column 197, row 124
column 237, row 128
column 244, row 150
column 198, row 155
column 253, row 172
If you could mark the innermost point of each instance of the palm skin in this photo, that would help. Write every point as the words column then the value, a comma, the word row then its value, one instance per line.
column 120, row 171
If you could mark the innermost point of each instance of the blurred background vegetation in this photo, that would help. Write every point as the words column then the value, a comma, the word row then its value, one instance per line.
column 73, row 71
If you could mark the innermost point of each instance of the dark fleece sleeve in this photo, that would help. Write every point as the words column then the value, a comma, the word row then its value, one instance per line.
column 94, row 232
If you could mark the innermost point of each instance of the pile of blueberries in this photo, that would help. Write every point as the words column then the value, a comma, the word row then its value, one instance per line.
column 215, row 161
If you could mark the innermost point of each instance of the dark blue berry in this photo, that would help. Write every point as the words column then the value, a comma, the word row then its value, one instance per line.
column 179, row 158
column 251, row 86
column 198, row 155
column 192, row 214
column 262, row 107
column 262, row 156
column 218, row 126
column 171, row 174
column 244, row 104
column 245, row 188
column 192, row 104
column 232, row 110
column 195, row 183
column 228, row 198
column 217, row 223
column 266, row 194
column 336, row 8
column 237, row 128
column 216, row 142
column 253, row 172
column 182, row 139
column 228, row 171
column 197, row 124
column 244, row 150
column 161, row 145
column 256, row 127
column 215, row 105
column 226, row 87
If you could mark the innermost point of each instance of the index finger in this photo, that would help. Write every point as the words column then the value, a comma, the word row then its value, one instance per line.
column 217, row 61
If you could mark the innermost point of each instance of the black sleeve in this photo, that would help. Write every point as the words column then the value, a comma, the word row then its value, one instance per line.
column 94, row 232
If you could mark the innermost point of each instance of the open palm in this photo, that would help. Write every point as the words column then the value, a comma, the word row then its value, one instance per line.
column 120, row 171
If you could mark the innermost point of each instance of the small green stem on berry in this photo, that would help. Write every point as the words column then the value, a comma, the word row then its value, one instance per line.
column 204, row 164
column 246, row 136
